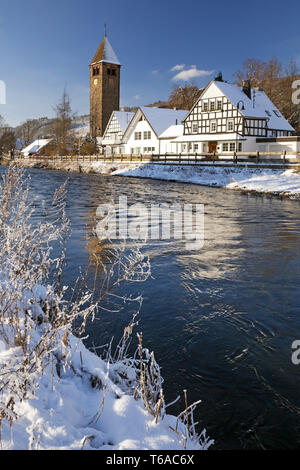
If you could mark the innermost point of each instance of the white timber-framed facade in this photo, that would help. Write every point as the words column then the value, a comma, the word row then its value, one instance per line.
column 227, row 118
column 113, row 135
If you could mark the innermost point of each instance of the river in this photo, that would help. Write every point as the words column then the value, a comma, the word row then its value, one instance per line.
column 220, row 319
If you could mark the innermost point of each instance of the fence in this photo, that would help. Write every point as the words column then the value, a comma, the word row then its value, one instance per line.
column 192, row 159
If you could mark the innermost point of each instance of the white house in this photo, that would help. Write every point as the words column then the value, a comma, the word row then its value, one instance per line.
column 114, row 132
column 35, row 147
column 167, row 143
column 144, row 133
column 228, row 118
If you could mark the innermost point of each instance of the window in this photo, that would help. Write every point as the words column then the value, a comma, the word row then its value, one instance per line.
column 225, row 147
column 196, row 147
column 195, row 128
column 108, row 71
column 137, row 136
column 230, row 125
column 213, row 126
column 232, row 146
column 240, row 147
column 149, row 149
column 212, row 105
column 147, row 135
column 205, row 106
column 219, row 105
column 113, row 72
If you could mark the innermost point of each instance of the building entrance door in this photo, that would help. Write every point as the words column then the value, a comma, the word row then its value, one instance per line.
column 212, row 147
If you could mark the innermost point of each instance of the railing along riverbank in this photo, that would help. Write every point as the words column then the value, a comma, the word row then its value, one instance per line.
column 281, row 159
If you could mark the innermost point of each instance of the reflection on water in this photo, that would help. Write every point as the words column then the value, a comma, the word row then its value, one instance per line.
column 222, row 319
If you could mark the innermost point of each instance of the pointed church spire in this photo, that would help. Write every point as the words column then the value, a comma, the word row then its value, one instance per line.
column 105, row 53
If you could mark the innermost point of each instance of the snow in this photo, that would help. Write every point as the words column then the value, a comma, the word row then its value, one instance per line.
column 172, row 132
column 261, row 104
column 35, row 146
column 124, row 118
column 108, row 54
column 262, row 180
column 161, row 119
column 65, row 412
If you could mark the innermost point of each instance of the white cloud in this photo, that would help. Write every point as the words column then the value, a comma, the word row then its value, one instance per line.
column 193, row 72
column 137, row 97
column 155, row 72
column 177, row 67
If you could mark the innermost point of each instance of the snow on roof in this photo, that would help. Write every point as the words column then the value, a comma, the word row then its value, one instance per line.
column 161, row 119
column 260, row 106
column 105, row 53
column 124, row 118
column 35, row 146
column 172, row 132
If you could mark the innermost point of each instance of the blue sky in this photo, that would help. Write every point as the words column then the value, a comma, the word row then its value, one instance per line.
column 45, row 45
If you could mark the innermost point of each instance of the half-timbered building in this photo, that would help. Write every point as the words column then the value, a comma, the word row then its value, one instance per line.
column 228, row 118
column 115, row 130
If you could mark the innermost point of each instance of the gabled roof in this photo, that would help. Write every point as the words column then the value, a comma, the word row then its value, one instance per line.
column 36, row 146
column 124, row 118
column 260, row 106
column 105, row 53
column 159, row 119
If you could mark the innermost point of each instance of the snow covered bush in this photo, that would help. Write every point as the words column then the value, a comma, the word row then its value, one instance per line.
column 54, row 393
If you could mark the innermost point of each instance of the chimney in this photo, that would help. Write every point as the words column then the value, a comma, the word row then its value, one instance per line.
column 247, row 88
column 219, row 77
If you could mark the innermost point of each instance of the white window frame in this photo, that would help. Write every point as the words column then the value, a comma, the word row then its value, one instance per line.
column 230, row 121
column 195, row 127
column 211, row 129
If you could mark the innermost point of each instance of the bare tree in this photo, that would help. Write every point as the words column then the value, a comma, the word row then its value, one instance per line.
column 183, row 97
column 27, row 131
column 62, row 124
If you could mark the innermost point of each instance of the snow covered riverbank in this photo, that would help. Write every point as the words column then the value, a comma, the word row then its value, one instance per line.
column 277, row 182
column 280, row 182
column 54, row 393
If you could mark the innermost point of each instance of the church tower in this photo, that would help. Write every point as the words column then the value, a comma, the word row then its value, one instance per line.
column 104, row 87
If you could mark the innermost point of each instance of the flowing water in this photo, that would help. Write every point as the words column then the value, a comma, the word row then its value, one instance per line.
column 222, row 319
